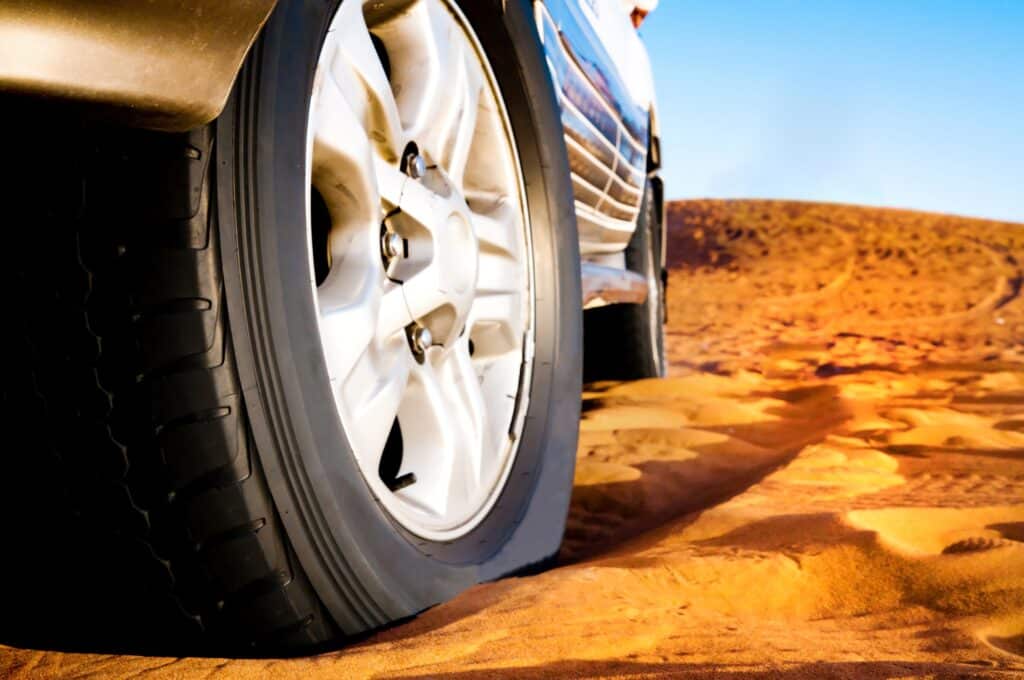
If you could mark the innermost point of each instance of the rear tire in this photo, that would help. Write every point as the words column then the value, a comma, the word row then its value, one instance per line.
column 627, row 341
column 183, row 414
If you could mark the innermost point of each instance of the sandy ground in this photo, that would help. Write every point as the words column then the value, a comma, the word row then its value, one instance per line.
column 830, row 484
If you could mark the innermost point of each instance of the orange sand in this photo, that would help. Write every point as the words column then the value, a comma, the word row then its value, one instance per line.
column 830, row 485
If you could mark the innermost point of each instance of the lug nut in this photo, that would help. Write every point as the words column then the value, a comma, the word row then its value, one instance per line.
column 422, row 339
column 415, row 165
column 392, row 245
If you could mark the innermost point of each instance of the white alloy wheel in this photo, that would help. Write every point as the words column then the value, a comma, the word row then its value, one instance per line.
column 420, row 260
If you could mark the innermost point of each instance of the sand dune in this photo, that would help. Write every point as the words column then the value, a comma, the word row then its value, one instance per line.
column 830, row 484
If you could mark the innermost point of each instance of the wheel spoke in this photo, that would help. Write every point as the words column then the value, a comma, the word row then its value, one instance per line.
column 445, row 418
column 498, row 318
column 368, row 374
column 499, row 274
column 368, row 359
column 428, row 49
column 461, row 128
column 347, row 335
column 350, row 328
column 394, row 313
column 357, row 69
column 375, row 389
column 470, row 412
column 497, row 323
column 496, row 229
column 343, row 163
column 391, row 183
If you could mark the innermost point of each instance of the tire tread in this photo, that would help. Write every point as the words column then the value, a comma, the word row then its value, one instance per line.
column 151, row 439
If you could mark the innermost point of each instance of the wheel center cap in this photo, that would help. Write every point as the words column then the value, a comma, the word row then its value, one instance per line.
column 446, row 283
column 457, row 253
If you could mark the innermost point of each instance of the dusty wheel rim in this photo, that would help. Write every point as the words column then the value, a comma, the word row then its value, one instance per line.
column 420, row 260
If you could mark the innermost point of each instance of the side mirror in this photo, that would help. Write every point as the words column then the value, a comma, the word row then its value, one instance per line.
column 640, row 10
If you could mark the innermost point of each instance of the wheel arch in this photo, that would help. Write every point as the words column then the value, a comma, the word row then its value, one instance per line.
column 163, row 65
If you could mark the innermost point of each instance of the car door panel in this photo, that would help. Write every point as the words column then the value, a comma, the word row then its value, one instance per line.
column 606, row 121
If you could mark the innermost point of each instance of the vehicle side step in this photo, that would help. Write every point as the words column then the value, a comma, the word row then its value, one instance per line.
column 610, row 285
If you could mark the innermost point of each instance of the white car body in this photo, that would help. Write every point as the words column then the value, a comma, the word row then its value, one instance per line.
column 602, row 75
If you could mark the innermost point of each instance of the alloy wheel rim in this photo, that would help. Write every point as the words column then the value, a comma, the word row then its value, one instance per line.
column 420, row 260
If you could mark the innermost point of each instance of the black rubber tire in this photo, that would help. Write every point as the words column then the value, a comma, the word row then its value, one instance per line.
column 627, row 341
column 149, row 523
column 195, row 484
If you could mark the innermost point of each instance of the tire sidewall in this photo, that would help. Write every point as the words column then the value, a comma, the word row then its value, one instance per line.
column 364, row 565
column 656, row 282
column 644, row 256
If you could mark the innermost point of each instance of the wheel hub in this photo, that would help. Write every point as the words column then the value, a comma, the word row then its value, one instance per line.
column 446, row 286
column 426, row 314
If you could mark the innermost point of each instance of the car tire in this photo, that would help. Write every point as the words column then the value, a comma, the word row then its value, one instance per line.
column 202, row 435
column 627, row 341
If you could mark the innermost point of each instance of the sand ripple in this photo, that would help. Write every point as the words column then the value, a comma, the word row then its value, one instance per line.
column 830, row 485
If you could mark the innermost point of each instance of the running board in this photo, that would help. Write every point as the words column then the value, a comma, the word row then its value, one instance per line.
column 611, row 285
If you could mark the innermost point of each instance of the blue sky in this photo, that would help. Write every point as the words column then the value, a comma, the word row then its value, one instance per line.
column 907, row 103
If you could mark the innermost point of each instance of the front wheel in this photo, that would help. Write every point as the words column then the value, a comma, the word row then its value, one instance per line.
column 332, row 342
column 414, row 341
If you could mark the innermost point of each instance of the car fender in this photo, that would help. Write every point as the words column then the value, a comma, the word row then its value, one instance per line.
column 159, row 64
